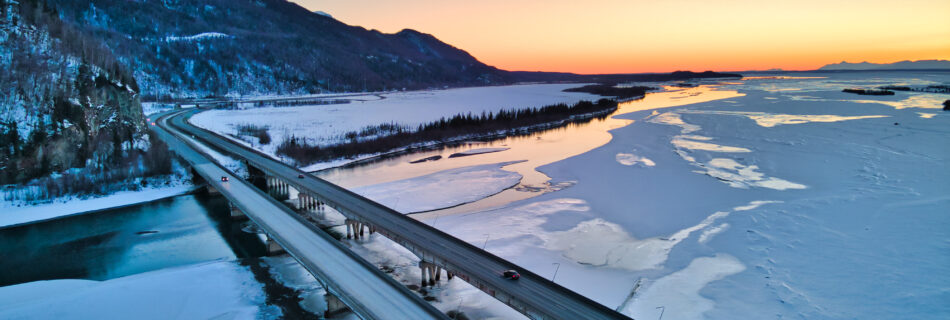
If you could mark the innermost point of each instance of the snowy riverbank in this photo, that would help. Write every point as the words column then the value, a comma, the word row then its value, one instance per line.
column 214, row 290
column 16, row 212
column 322, row 124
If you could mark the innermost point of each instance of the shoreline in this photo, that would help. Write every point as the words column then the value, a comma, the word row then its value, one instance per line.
column 163, row 193
column 434, row 145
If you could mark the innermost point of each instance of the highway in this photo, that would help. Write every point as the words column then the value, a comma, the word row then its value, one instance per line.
column 532, row 290
column 367, row 291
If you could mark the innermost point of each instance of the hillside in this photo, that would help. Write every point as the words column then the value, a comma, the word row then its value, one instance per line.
column 66, row 102
column 192, row 48
column 902, row 65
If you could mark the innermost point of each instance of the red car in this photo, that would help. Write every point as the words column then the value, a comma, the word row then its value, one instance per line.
column 224, row 179
column 300, row 176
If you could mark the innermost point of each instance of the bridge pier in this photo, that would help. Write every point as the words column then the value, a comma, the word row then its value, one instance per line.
column 431, row 273
column 236, row 212
column 273, row 248
column 357, row 229
column 334, row 306
column 213, row 190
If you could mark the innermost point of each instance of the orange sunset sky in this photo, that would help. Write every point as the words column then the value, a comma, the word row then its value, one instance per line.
column 617, row 36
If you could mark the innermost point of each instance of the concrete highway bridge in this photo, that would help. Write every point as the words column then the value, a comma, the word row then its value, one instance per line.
column 532, row 295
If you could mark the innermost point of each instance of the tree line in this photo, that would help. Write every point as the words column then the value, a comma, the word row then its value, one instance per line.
column 389, row 136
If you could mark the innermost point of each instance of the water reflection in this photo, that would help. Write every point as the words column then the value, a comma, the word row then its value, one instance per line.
column 537, row 149
column 124, row 241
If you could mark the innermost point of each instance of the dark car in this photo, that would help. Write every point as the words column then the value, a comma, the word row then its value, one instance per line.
column 300, row 176
column 224, row 179
column 511, row 274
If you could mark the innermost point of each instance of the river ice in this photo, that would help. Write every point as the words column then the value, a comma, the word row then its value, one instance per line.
column 793, row 201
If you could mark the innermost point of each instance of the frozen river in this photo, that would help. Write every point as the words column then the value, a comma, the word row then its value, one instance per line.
column 771, row 196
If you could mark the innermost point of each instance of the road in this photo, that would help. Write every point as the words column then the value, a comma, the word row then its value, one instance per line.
column 367, row 291
column 539, row 293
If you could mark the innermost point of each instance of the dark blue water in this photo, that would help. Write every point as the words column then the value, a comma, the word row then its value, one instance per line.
column 124, row 241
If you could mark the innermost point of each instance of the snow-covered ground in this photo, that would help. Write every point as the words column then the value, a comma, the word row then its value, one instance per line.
column 15, row 212
column 327, row 123
column 214, row 290
column 793, row 201
column 442, row 189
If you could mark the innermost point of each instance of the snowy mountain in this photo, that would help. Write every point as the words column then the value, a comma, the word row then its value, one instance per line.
column 197, row 48
column 902, row 65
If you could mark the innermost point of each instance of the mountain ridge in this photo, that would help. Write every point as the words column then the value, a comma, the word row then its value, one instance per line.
column 267, row 47
column 900, row 65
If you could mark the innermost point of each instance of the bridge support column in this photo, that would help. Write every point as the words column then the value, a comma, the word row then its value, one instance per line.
column 273, row 248
column 430, row 273
column 349, row 227
column 424, row 267
column 355, row 229
column 213, row 190
column 236, row 212
column 334, row 306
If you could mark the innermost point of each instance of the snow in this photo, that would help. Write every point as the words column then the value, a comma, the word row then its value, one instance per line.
column 770, row 120
column 629, row 159
column 325, row 124
column 287, row 271
column 150, row 108
column 682, row 288
column 14, row 213
column 220, row 290
column 436, row 191
column 792, row 201
column 741, row 176
column 198, row 37
column 477, row 151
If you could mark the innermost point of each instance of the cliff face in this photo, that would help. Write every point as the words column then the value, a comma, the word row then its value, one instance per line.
column 197, row 48
column 65, row 102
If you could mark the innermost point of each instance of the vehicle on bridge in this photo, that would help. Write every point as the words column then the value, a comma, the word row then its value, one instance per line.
column 300, row 176
column 511, row 275
column 224, row 179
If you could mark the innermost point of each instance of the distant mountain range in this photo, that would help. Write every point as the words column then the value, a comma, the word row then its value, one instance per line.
column 902, row 65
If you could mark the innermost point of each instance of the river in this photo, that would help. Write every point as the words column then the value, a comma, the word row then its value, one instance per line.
column 124, row 241
column 534, row 150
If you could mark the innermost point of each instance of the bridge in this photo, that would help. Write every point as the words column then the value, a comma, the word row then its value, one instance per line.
column 350, row 281
column 532, row 295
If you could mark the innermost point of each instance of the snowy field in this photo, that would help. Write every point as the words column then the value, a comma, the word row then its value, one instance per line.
column 325, row 124
column 793, row 201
